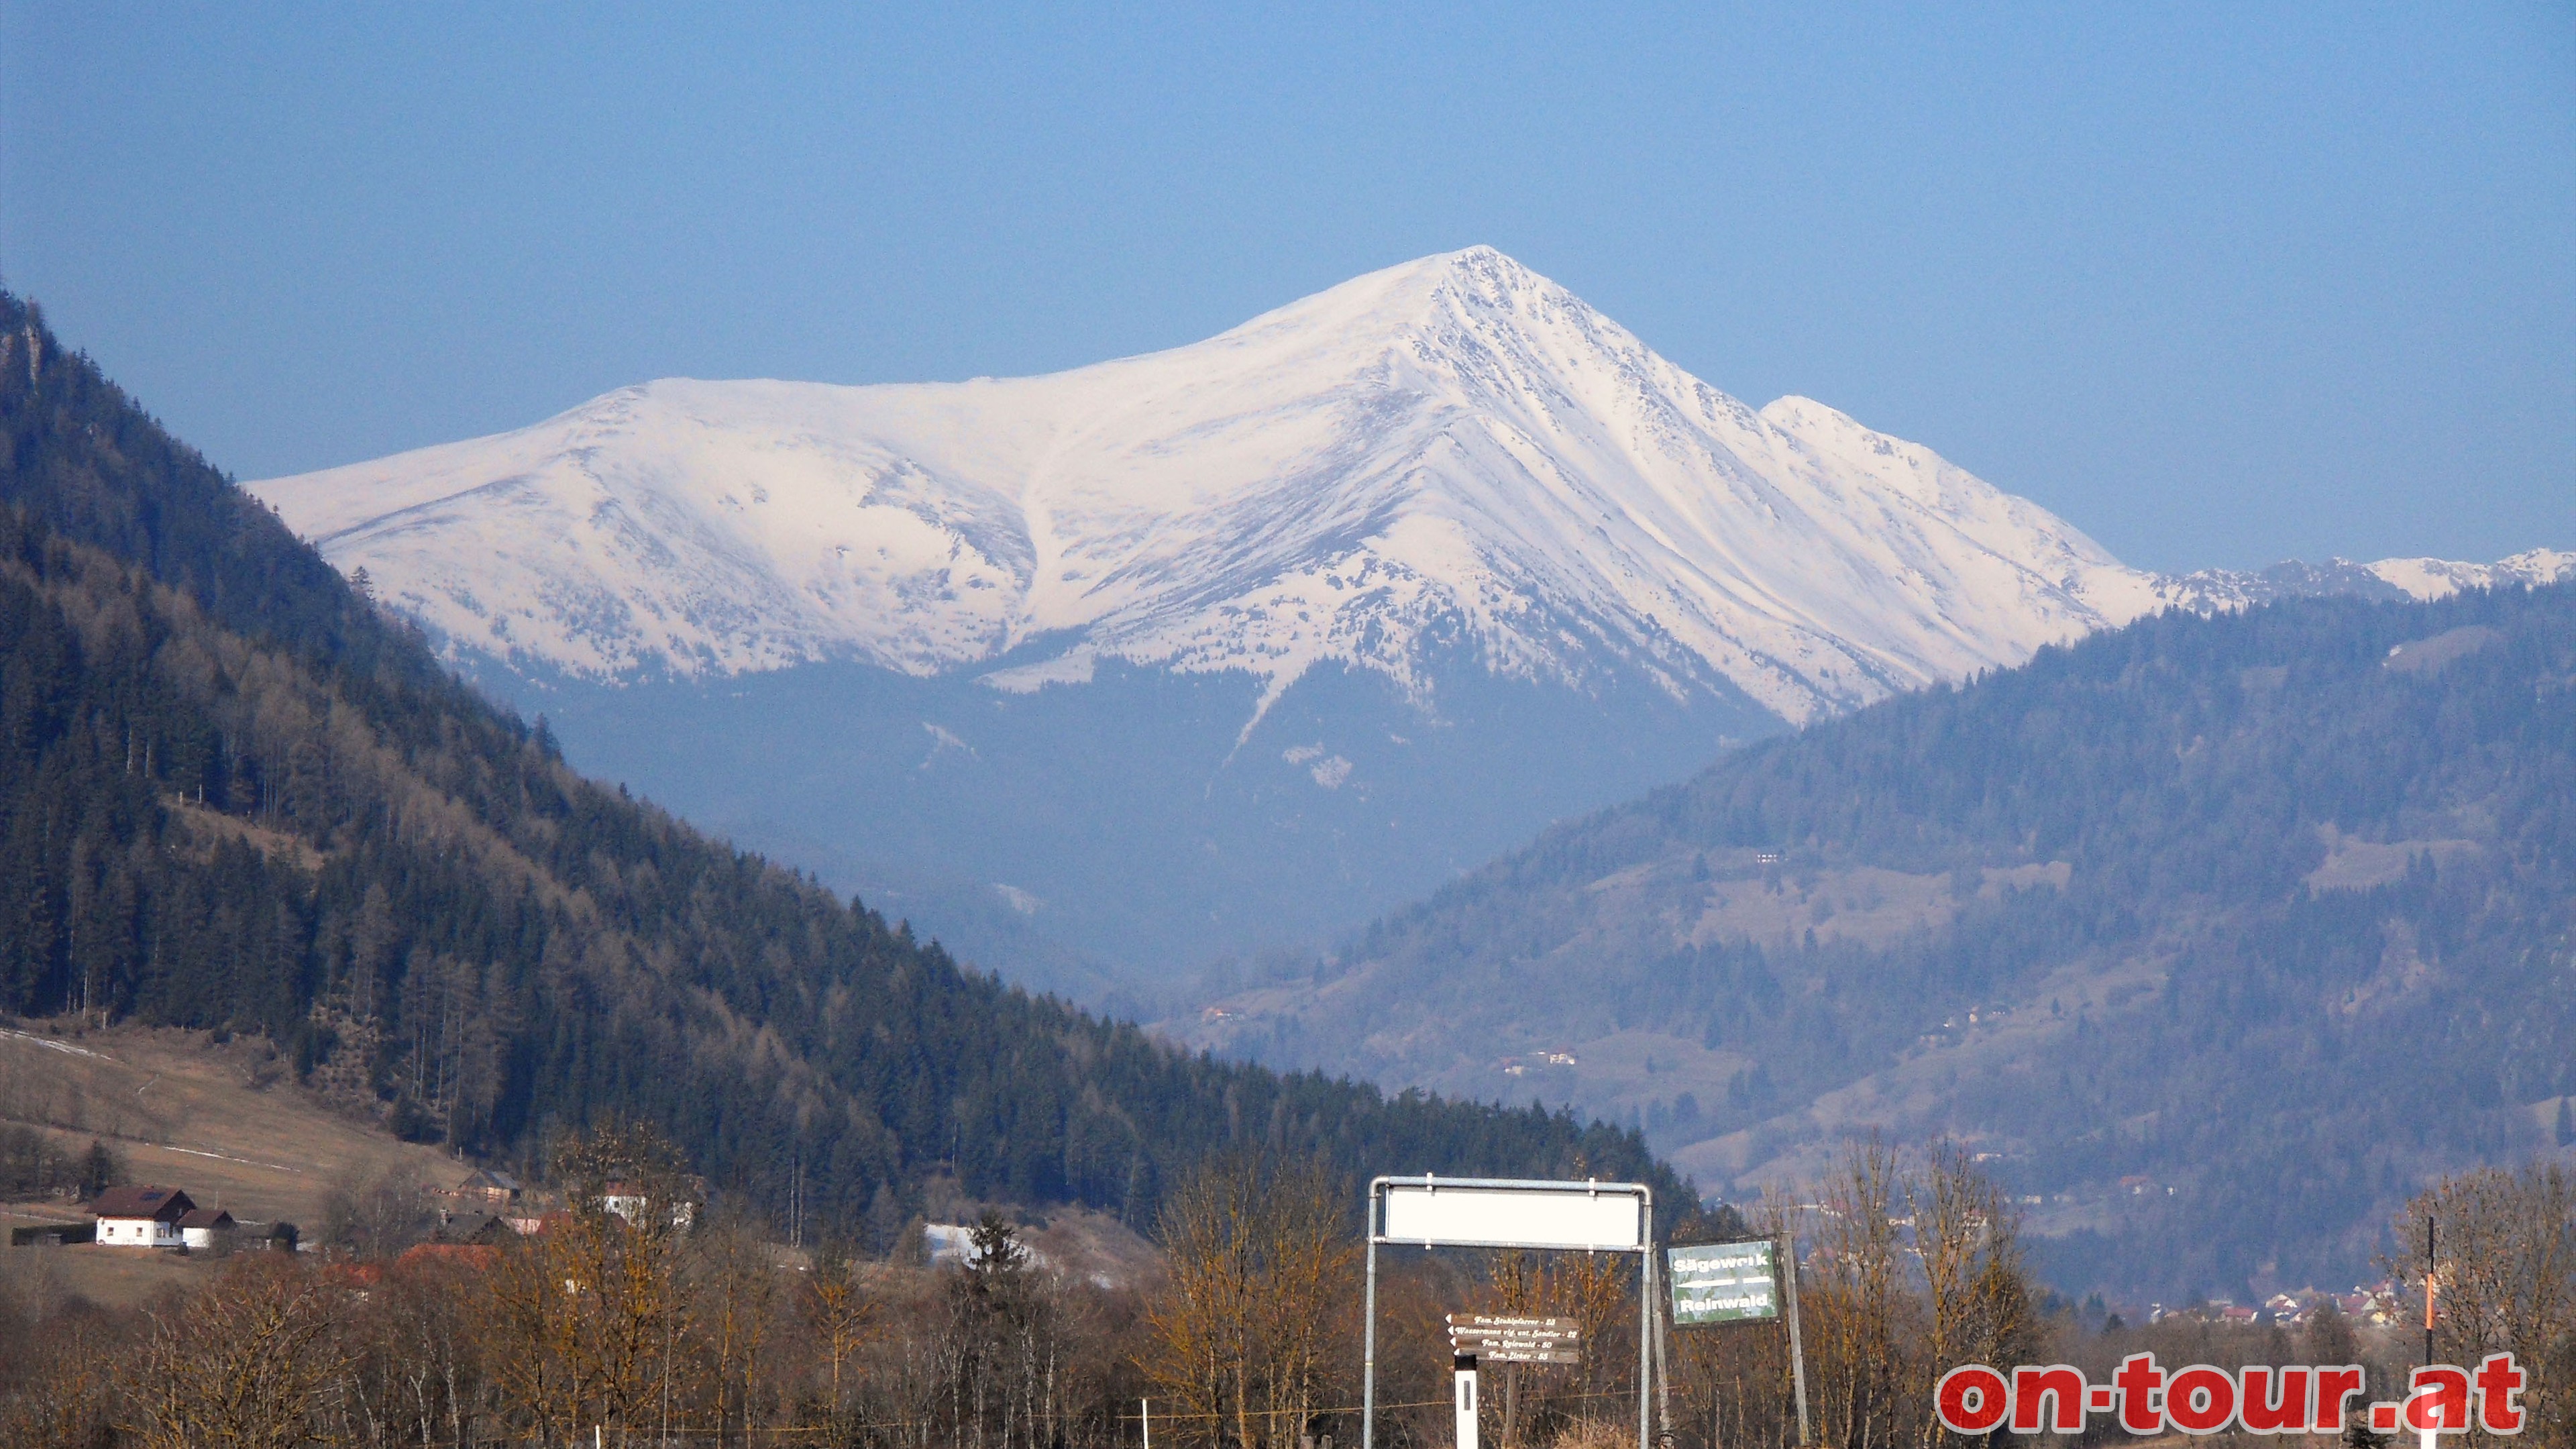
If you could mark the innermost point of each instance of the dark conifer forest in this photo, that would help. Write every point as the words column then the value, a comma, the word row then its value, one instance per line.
column 235, row 796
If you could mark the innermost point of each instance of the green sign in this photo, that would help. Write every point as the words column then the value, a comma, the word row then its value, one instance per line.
column 1723, row 1283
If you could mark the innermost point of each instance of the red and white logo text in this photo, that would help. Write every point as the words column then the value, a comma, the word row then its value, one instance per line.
column 2199, row 1399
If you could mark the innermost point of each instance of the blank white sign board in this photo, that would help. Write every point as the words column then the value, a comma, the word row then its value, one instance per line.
column 1506, row 1217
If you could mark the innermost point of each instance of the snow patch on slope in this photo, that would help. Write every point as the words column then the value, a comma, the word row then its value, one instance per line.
column 2433, row 578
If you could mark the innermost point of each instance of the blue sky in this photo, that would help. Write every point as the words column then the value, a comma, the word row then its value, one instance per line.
column 2221, row 284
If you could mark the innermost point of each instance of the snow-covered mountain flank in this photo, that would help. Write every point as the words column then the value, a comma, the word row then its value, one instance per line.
column 1446, row 472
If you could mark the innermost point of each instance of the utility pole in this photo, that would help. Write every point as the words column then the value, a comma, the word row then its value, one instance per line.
column 1663, row 1354
column 1797, row 1351
column 2430, row 1288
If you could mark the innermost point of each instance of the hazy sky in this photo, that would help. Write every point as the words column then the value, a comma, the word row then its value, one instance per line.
column 2219, row 284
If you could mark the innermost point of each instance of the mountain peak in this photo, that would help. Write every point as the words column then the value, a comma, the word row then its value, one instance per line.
column 1310, row 613
column 1487, row 269
column 1409, row 300
column 1475, row 263
column 1451, row 454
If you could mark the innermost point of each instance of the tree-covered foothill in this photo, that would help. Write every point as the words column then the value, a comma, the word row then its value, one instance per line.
column 2223, row 933
column 234, row 796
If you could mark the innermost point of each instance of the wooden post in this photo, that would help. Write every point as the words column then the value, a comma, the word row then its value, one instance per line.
column 1797, row 1351
column 1663, row 1354
column 2429, row 1291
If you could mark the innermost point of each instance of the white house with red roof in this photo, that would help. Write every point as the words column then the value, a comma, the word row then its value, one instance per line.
column 141, row 1217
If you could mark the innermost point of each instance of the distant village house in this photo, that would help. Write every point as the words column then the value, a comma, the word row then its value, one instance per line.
column 498, row 1189
column 206, row 1228
column 142, row 1217
column 630, row 1202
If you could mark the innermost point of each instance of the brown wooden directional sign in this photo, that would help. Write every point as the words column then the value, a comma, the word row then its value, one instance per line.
column 1493, row 1338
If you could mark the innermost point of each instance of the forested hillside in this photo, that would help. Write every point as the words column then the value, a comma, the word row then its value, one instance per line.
column 234, row 796
column 2222, row 934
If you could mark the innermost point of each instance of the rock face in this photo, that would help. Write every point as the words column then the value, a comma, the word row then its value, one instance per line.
column 1303, row 618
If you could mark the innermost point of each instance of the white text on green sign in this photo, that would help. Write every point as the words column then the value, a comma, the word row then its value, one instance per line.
column 1723, row 1283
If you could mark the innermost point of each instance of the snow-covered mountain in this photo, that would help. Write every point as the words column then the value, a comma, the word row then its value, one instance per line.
column 1453, row 446
column 1442, row 475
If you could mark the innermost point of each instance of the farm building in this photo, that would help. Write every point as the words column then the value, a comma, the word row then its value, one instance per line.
column 141, row 1217
column 499, row 1189
column 205, row 1228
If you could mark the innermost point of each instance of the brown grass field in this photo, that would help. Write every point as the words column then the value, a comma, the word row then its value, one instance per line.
column 226, row 1124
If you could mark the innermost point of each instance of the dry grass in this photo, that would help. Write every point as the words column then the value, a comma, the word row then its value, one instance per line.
column 1095, row 1247
column 1863, row 903
column 1596, row 1434
column 115, row 1277
column 226, row 1124
column 2358, row 865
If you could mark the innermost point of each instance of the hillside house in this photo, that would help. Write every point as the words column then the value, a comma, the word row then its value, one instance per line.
column 141, row 1217
column 496, row 1189
column 472, row 1229
column 629, row 1202
column 479, row 1257
column 202, row 1229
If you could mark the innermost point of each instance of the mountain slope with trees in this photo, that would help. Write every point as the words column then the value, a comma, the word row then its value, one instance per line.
column 2221, row 934
column 233, row 795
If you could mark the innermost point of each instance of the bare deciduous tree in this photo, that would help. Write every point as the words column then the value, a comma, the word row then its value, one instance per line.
column 841, row 1313
column 1596, row 1291
column 590, row 1326
column 67, row 1401
column 1861, row 1317
column 1262, row 1270
column 2506, row 1270
column 1968, row 1240
column 254, row 1363
column 375, row 1215
column 734, row 1280
column 1910, row 1269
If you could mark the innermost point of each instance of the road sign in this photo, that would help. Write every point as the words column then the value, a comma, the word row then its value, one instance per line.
column 1592, row 1216
column 1597, row 1216
column 1499, row 1339
column 1724, row 1283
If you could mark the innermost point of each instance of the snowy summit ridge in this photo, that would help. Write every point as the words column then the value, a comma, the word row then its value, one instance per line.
column 1455, row 452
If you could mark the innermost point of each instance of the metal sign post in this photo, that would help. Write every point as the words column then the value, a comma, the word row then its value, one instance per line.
column 1797, row 1351
column 1477, row 1212
column 1464, row 1367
